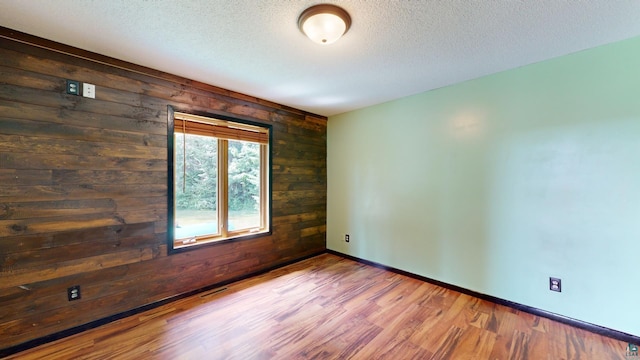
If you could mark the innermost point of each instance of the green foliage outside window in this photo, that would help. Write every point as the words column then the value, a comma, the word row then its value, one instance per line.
column 244, row 176
column 199, row 190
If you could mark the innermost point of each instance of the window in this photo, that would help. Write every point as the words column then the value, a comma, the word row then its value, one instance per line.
column 218, row 179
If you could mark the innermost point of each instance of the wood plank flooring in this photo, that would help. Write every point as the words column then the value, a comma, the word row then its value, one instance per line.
column 329, row 307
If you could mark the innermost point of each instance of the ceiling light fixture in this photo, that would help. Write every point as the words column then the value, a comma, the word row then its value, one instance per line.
column 324, row 23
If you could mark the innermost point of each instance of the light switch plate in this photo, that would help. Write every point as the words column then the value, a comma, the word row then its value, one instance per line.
column 89, row 90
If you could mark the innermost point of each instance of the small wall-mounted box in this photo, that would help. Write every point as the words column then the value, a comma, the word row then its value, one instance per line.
column 73, row 293
column 73, row 87
column 89, row 90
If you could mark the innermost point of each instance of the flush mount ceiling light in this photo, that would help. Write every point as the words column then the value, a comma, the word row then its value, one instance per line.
column 324, row 23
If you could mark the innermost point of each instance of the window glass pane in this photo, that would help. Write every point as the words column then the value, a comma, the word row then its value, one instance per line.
column 244, row 185
column 196, row 195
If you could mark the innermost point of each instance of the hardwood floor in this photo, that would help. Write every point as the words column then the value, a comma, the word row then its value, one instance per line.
column 328, row 307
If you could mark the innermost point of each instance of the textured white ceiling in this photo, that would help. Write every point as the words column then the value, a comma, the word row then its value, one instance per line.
column 394, row 48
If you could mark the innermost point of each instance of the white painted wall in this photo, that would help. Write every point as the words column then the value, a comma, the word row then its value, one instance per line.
column 498, row 183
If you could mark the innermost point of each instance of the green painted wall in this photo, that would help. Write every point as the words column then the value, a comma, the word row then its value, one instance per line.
column 497, row 183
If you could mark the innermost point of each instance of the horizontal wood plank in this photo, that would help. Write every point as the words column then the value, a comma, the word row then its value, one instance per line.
column 39, row 209
column 44, row 145
column 17, row 126
column 105, row 234
column 26, row 276
column 55, row 224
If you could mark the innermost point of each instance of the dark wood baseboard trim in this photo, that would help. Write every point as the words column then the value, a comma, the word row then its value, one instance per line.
column 600, row 330
column 94, row 324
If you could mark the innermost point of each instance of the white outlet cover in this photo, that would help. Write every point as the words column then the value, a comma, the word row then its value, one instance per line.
column 89, row 90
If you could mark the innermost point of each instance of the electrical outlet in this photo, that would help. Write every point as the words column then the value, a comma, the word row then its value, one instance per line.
column 346, row 238
column 73, row 293
column 89, row 90
column 73, row 87
column 555, row 284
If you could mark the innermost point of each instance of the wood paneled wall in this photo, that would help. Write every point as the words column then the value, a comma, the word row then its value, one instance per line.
column 83, row 188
